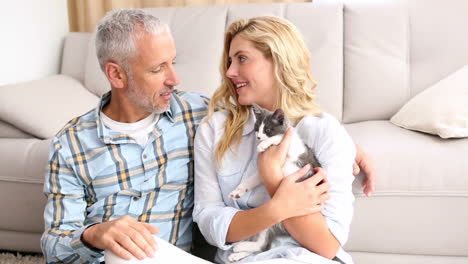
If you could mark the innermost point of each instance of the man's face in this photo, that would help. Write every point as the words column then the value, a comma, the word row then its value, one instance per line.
column 152, row 74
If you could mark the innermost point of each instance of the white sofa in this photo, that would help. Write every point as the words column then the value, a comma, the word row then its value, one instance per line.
column 369, row 58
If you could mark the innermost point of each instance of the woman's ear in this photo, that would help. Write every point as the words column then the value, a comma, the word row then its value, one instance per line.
column 116, row 75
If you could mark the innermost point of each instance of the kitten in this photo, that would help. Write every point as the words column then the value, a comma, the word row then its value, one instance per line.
column 270, row 129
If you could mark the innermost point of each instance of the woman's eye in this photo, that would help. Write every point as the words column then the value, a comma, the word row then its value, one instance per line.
column 242, row 58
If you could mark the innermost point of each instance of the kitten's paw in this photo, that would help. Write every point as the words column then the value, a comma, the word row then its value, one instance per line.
column 237, row 193
column 246, row 246
column 238, row 256
column 262, row 147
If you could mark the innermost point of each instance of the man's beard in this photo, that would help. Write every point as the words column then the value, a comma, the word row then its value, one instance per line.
column 143, row 101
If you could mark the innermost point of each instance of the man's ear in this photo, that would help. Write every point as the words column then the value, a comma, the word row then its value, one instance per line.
column 116, row 75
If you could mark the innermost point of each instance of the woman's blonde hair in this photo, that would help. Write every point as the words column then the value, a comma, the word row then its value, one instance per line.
column 280, row 41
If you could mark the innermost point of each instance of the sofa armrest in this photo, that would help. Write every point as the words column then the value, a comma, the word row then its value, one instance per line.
column 42, row 107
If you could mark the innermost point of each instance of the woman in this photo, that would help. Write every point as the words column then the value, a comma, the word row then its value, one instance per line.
column 266, row 62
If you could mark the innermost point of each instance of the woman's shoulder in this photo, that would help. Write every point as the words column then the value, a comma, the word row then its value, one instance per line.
column 214, row 122
column 218, row 117
column 321, row 121
column 319, row 128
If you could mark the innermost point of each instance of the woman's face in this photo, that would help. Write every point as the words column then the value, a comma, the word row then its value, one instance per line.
column 252, row 74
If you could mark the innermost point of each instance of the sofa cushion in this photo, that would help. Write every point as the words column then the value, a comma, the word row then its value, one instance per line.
column 391, row 258
column 376, row 56
column 422, row 185
column 94, row 78
column 439, row 40
column 441, row 109
column 411, row 162
column 75, row 50
column 25, row 105
column 22, row 172
column 9, row 131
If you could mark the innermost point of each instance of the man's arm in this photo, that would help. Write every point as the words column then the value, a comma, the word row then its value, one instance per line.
column 364, row 162
column 64, row 214
column 69, row 236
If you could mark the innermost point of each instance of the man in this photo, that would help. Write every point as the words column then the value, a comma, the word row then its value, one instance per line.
column 120, row 170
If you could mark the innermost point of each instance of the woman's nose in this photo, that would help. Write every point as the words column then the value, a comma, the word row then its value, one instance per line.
column 231, row 71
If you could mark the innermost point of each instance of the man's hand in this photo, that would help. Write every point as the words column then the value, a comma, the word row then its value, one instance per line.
column 126, row 237
column 364, row 162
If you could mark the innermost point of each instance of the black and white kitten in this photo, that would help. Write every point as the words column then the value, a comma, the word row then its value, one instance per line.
column 270, row 129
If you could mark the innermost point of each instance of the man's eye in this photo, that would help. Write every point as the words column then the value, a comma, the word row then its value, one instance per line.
column 157, row 70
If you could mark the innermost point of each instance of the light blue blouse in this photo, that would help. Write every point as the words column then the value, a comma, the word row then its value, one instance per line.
column 214, row 210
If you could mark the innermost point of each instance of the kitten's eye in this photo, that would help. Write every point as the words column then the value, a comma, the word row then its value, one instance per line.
column 268, row 130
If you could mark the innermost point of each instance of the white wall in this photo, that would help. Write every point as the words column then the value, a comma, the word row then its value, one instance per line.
column 31, row 37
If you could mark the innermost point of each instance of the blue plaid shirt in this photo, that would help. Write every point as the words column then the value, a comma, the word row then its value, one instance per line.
column 96, row 175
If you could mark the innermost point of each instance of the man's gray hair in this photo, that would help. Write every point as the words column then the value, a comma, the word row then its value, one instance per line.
column 118, row 32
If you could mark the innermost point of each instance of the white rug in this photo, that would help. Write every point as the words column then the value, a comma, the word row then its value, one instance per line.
column 9, row 258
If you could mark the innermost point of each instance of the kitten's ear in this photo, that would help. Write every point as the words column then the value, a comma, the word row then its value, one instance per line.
column 279, row 115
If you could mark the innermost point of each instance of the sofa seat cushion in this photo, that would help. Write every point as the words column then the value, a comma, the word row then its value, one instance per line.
column 42, row 107
column 419, row 206
column 22, row 173
column 413, row 163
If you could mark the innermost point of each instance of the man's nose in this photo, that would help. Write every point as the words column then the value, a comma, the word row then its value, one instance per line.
column 172, row 79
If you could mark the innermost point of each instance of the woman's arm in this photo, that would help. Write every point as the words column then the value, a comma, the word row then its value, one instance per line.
column 322, row 232
column 287, row 202
column 305, row 227
column 221, row 224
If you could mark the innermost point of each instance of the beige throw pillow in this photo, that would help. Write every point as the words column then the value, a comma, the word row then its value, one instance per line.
column 42, row 107
column 441, row 109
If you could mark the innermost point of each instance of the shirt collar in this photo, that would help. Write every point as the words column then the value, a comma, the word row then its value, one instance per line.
column 250, row 124
column 108, row 136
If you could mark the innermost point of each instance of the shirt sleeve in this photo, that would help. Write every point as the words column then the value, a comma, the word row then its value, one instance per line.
column 336, row 152
column 210, row 213
column 65, row 213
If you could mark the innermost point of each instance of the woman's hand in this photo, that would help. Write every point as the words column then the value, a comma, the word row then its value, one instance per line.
column 294, row 198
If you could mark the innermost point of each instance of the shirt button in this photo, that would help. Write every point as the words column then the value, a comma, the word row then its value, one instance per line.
column 135, row 198
column 145, row 156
